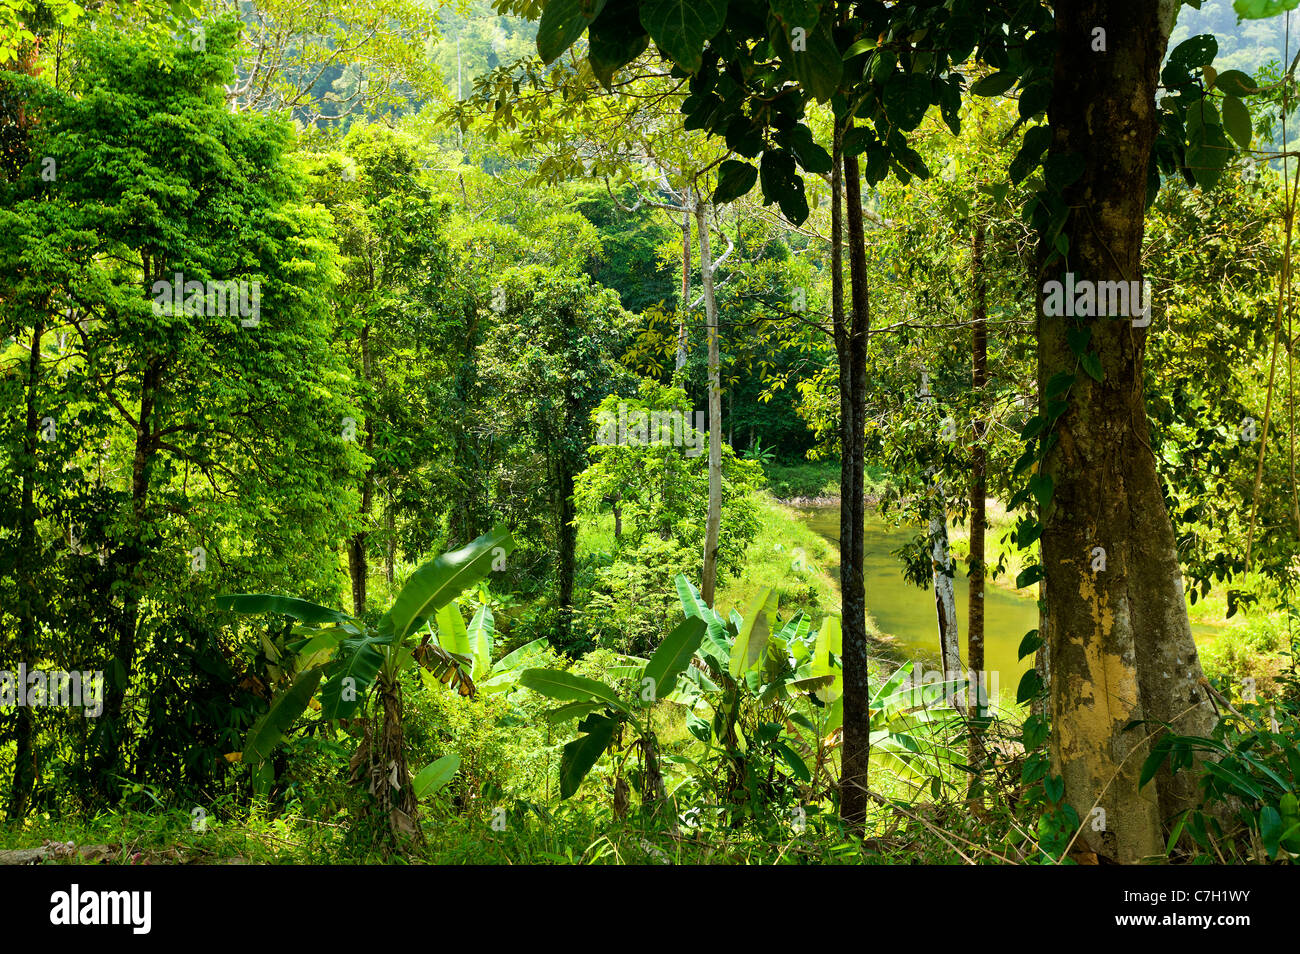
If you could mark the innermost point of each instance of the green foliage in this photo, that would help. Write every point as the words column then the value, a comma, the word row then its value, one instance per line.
column 360, row 652
column 1250, row 777
column 650, row 464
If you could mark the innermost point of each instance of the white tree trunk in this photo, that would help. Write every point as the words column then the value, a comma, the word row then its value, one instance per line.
column 945, row 600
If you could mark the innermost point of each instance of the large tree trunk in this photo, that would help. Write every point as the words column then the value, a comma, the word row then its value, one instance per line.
column 25, row 562
column 851, row 350
column 1120, row 645
column 713, row 519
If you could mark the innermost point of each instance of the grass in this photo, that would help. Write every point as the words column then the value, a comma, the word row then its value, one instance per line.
column 817, row 480
column 572, row 833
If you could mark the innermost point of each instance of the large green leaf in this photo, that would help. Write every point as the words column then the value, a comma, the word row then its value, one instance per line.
column 735, row 178
column 1235, row 83
column 571, row 710
column 436, row 774
column 1236, row 120
column 259, row 603
column 563, row 21
column 441, row 580
column 680, row 28
column 615, row 39
column 907, row 98
column 674, row 655
column 359, row 660
column 566, row 687
column 830, row 643
column 319, row 649
column 693, row 605
column 1260, row 9
column 452, row 634
column 818, row 64
column 581, row 754
column 525, row 652
column 271, row 727
column 481, row 630
column 750, row 642
column 1208, row 149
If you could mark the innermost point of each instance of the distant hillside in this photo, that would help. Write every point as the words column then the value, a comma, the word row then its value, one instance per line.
column 1243, row 46
column 487, row 40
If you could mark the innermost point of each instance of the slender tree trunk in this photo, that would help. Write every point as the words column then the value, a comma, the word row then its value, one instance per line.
column 1121, row 647
column 130, row 558
column 713, row 519
column 686, row 281
column 25, row 562
column 851, row 350
column 1042, row 658
column 357, row 562
column 945, row 599
column 978, row 486
column 568, row 544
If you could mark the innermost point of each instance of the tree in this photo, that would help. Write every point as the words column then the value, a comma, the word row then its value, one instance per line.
column 547, row 364
column 396, row 291
column 173, row 256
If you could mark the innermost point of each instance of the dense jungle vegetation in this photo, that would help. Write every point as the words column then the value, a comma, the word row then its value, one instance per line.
column 649, row 431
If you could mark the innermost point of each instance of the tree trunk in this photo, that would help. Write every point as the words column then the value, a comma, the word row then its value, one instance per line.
column 978, row 487
column 129, row 560
column 713, row 519
column 686, row 281
column 945, row 599
column 1120, row 645
column 567, row 536
column 25, row 562
column 357, row 563
column 851, row 351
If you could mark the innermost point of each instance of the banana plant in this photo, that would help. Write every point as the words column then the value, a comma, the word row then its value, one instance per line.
column 605, row 712
column 791, row 683
column 348, row 668
column 753, row 676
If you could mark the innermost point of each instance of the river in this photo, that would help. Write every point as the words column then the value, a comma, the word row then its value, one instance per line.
column 907, row 613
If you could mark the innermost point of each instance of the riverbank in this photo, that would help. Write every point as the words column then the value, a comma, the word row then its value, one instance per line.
column 803, row 566
column 1001, row 556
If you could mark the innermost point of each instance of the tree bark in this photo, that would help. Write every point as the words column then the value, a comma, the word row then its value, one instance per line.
column 129, row 560
column 851, row 351
column 390, row 550
column 945, row 599
column 1119, row 641
column 978, row 485
column 357, row 561
column 713, row 519
column 686, row 281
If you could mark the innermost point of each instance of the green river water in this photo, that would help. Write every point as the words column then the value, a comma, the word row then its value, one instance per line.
column 907, row 613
